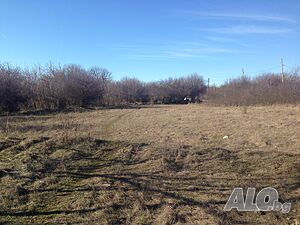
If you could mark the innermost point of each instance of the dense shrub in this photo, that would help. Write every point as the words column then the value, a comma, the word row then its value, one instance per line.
column 51, row 87
column 264, row 89
column 169, row 91
column 173, row 91
column 14, row 90
column 61, row 87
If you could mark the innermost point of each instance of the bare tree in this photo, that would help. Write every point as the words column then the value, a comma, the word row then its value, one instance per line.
column 132, row 90
column 265, row 89
column 13, row 88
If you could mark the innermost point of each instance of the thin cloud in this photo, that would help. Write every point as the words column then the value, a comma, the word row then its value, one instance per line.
column 238, row 16
column 122, row 47
column 247, row 30
column 221, row 39
column 188, row 53
column 157, row 56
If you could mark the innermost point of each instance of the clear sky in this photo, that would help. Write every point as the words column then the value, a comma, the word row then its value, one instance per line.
column 153, row 39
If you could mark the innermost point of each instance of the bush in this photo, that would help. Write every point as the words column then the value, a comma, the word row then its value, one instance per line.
column 173, row 91
column 56, row 87
column 51, row 87
column 14, row 91
column 265, row 89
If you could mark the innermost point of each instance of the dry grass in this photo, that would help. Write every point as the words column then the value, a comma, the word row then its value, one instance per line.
column 154, row 165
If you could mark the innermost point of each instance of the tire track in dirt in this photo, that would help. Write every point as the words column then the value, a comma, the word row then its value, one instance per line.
column 107, row 128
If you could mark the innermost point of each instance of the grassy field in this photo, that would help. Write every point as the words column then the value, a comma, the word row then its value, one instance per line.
column 152, row 165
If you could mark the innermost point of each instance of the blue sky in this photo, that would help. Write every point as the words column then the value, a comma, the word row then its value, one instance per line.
column 152, row 39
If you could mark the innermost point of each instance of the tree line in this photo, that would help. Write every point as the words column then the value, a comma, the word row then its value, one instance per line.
column 62, row 87
column 69, row 86
column 265, row 89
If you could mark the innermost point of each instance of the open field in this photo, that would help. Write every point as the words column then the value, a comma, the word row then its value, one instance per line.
column 153, row 165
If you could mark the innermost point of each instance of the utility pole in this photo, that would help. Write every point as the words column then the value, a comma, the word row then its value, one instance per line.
column 282, row 70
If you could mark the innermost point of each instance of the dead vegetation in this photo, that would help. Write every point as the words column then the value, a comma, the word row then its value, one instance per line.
column 59, row 170
column 265, row 89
